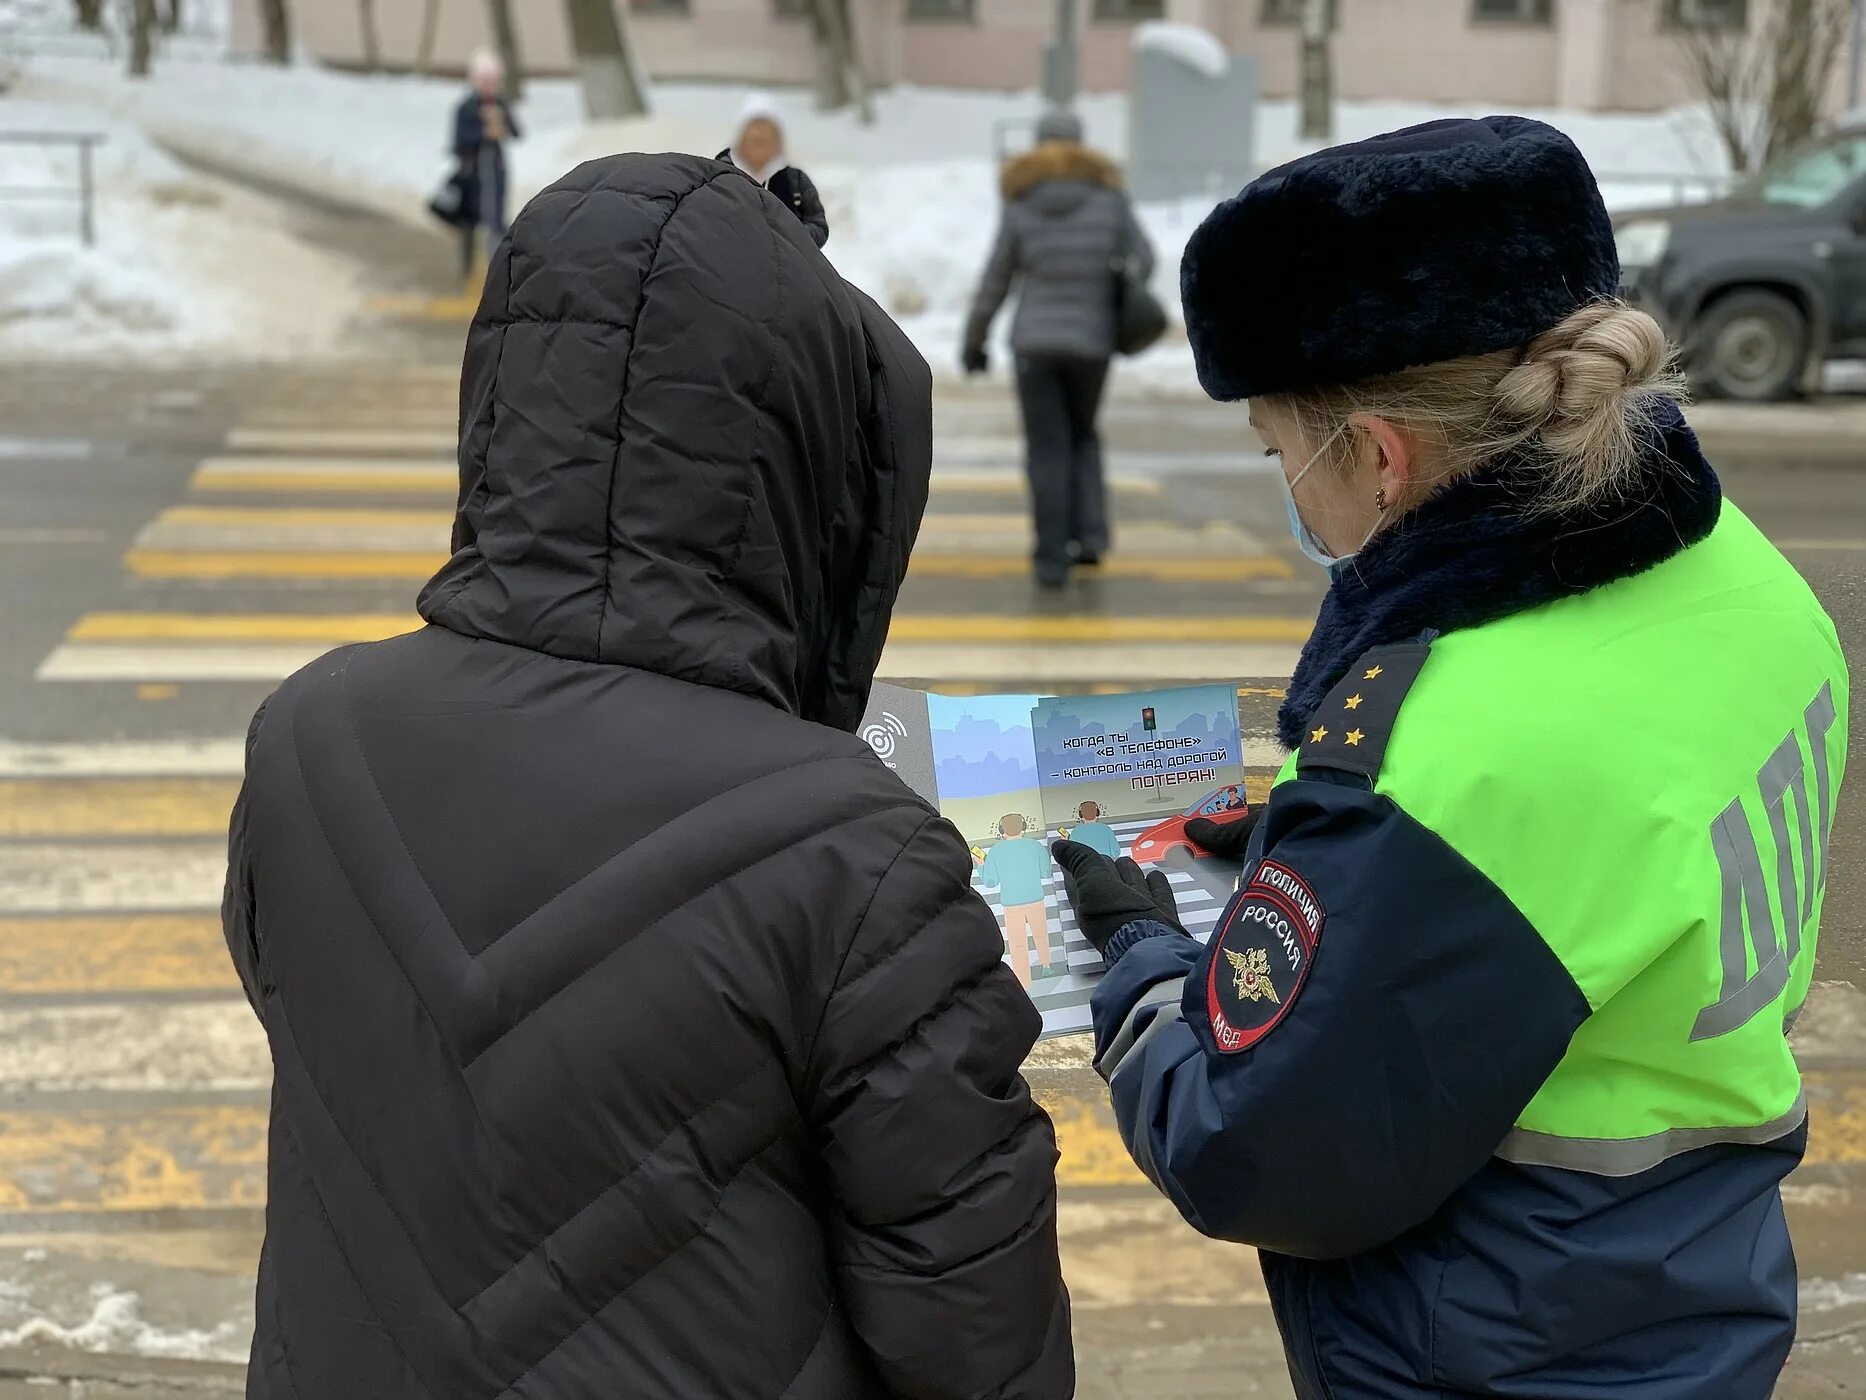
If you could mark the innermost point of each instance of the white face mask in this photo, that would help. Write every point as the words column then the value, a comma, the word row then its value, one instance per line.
column 1307, row 540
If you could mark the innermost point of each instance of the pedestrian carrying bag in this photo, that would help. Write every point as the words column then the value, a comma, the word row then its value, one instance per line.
column 1139, row 319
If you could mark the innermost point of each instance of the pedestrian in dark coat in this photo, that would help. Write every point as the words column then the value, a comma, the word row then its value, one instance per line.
column 758, row 150
column 636, row 1032
column 483, row 123
column 1068, row 226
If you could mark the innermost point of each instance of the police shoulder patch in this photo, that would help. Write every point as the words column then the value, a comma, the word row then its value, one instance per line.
column 1261, row 956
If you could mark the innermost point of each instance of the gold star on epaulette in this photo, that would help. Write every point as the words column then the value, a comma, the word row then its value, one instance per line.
column 1373, row 673
column 1354, row 736
column 1317, row 735
column 1353, row 702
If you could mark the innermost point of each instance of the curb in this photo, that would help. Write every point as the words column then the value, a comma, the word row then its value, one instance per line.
column 39, row 1365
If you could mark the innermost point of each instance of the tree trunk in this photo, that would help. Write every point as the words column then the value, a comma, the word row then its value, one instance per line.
column 372, row 41
column 171, row 17
column 142, row 33
column 1318, row 98
column 277, row 22
column 91, row 14
column 611, row 85
column 1807, row 43
column 839, row 77
column 505, row 35
column 430, row 31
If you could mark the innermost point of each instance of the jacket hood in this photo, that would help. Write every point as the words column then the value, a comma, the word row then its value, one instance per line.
column 1058, row 161
column 686, row 445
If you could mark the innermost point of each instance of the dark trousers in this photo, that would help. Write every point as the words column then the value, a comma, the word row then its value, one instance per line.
column 1061, row 396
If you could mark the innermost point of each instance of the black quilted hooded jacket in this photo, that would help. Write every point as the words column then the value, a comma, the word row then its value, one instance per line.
column 636, row 1033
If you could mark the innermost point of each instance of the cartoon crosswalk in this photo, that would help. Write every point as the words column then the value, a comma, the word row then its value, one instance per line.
column 1063, row 997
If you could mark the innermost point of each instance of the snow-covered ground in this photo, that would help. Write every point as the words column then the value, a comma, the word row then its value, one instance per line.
column 912, row 200
column 183, row 264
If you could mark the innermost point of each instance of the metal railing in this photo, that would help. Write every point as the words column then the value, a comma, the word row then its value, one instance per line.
column 85, row 142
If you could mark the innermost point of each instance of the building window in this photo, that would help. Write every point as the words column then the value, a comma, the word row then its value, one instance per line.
column 962, row 11
column 1290, row 12
column 1128, row 11
column 1512, row 11
column 1707, row 14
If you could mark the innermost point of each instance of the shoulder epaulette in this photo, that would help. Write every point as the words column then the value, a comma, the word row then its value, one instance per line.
column 1350, row 728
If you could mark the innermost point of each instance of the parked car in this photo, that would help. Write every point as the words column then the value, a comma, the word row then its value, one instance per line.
column 1764, row 285
column 1168, row 838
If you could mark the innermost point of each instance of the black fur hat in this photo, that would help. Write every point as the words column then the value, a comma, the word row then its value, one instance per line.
column 1452, row 238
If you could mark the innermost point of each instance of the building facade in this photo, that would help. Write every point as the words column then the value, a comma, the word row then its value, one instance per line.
column 1600, row 55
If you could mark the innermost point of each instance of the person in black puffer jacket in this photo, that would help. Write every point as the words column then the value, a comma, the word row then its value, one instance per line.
column 636, row 1032
column 1067, row 225
column 758, row 150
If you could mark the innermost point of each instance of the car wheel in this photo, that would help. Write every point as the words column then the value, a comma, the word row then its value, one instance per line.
column 1179, row 857
column 1750, row 345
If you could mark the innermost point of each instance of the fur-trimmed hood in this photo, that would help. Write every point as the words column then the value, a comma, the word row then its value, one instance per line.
column 1057, row 160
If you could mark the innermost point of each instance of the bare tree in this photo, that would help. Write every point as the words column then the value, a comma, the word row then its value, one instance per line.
column 1318, row 97
column 275, row 18
column 142, row 35
column 171, row 16
column 430, row 32
column 91, row 14
column 839, row 76
column 612, row 87
column 372, row 39
column 1763, row 83
column 505, row 36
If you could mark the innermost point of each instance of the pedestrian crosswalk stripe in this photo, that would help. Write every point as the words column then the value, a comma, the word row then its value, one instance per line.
column 410, row 440
column 160, row 758
column 57, row 807
column 154, row 877
column 993, row 666
column 100, row 954
column 212, row 1045
column 911, row 627
column 399, row 475
column 146, row 1157
column 313, row 529
column 222, row 564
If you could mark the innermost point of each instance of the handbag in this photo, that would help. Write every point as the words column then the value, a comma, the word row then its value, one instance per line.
column 449, row 202
column 1139, row 319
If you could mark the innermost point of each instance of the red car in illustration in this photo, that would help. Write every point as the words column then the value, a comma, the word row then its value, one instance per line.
column 1168, row 838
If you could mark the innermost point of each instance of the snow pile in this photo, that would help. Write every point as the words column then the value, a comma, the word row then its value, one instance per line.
column 1186, row 44
column 181, row 263
column 114, row 1323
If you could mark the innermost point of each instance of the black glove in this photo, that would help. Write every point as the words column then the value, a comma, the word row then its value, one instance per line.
column 1108, row 895
column 1226, row 840
column 974, row 360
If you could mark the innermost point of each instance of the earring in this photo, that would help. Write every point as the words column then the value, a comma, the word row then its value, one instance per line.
column 1380, row 498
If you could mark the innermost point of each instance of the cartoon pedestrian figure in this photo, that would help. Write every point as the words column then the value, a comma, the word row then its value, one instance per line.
column 1018, row 866
column 1093, row 832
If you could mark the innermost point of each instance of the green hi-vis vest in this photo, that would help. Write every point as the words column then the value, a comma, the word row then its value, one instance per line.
column 1649, row 772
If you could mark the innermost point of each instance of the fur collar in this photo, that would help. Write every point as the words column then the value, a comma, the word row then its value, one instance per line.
column 1468, row 556
column 1057, row 160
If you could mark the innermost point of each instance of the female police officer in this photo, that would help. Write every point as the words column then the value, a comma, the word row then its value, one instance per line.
column 1488, row 1053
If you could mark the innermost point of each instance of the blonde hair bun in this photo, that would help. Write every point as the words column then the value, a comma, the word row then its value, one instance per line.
column 1584, row 390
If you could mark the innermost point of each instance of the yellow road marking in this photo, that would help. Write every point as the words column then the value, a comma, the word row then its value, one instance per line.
column 975, row 627
column 57, row 807
column 111, row 953
column 420, row 308
column 441, row 520
column 441, row 478
column 205, row 564
column 157, row 692
column 1836, row 1116
column 188, row 1158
